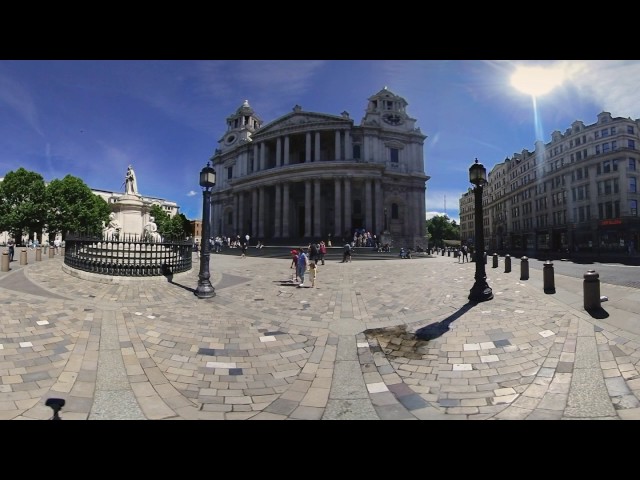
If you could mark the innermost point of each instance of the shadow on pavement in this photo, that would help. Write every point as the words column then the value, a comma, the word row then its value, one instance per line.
column 435, row 330
column 598, row 313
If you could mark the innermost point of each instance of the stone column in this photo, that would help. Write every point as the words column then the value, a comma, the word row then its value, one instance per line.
column 347, row 206
column 348, row 147
column 256, row 158
column 261, row 213
column 279, row 152
column 286, row 150
column 317, row 210
column 365, row 148
column 278, row 213
column 254, row 213
column 236, row 210
column 307, row 152
column 317, row 147
column 338, row 155
column 337, row 213
column 285, row 211
column 368, row 207
column 307, row 208
column 379, row 207
column 263, row 156
column 240, row 224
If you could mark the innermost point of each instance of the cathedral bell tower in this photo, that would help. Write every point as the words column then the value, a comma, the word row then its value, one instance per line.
column 240, row 126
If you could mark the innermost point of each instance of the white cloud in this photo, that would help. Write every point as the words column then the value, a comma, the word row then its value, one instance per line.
column 192, row 193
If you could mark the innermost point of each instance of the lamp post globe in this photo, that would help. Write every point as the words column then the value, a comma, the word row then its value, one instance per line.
column 480, row 292
column 207, row 182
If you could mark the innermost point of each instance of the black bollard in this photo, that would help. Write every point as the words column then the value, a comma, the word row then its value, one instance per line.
column 524, row 268
column 495, row 260
column 507, row 263
column 591, row 290
column 547, row 272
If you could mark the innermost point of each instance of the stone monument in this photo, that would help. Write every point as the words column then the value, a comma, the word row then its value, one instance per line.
column 130, row 210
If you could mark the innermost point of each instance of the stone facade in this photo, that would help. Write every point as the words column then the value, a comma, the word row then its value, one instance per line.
column 578, row 193
column 309, row 175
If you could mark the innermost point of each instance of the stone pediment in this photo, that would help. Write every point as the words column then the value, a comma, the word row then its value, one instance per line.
column 299, row 121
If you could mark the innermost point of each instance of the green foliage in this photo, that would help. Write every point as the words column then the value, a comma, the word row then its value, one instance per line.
column 22, row 203
column 172, row 227
column 73, row 207
column 441, row 228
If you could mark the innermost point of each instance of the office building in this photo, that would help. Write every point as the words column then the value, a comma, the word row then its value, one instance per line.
column 576, row 193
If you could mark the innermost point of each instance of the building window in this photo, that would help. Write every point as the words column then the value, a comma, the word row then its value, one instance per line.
column 394, row 155
column 630, row 129
column 632, row 185
column 631, row 144
column 633, row 208
column 356, row 151
column 395, row 211
column 632, row 165
column 229, row 173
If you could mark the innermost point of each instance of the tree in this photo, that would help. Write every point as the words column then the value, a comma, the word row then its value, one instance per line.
column 73, row 207
column 441, row 228
column 173, row 227
column 183, row 225
column 22, row 203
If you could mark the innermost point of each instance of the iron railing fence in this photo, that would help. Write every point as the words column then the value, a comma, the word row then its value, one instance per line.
column 127, row 255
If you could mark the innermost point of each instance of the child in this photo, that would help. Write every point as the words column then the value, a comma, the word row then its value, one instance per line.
column 313, row 273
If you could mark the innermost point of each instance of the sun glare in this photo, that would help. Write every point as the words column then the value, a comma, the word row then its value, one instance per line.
column 537, row 81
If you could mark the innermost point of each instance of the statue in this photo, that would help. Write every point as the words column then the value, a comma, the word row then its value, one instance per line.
column 130, row 183
column 112, row 231
column 151, row 231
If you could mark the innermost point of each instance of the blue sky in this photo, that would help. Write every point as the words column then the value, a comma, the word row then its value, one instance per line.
column 92, row 118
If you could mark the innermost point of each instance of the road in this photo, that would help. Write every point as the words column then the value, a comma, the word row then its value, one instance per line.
column 612, row 273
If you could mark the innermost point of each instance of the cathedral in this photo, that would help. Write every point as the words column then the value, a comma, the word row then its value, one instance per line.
column 311, row 176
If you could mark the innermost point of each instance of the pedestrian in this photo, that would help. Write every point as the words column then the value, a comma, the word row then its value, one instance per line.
column 294, row 265
column 303, row 264
column 12, row 247
column 57, row 244
column 323, row 251
column 313, row 251
column 465, row 253
column 243, row 246
column 313, row 273
column 346, row 257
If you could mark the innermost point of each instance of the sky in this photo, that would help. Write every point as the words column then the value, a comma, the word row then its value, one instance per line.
column 93, row 118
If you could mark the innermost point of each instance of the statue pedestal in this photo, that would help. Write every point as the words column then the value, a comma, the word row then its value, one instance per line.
column 130, row 212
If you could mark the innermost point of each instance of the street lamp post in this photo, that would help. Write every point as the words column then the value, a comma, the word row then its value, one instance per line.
column 207, row 182
column 480, row 292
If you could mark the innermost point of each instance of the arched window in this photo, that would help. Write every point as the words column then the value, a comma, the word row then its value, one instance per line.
column 395, row 211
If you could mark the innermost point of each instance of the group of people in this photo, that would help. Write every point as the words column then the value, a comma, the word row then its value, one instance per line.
column 463, row 254
column 306, row 260
column 11, row 246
